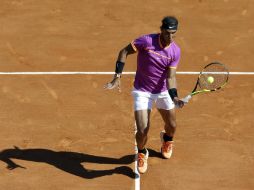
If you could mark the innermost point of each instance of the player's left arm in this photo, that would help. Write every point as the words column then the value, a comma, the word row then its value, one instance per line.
column 172, row 84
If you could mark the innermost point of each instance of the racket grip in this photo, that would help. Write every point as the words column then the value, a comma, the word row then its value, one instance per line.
column 186, row 99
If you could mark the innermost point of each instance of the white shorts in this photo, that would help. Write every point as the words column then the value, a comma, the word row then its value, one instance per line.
column 145, row 100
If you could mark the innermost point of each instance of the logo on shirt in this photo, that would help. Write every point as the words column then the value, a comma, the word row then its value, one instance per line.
column 158, row 54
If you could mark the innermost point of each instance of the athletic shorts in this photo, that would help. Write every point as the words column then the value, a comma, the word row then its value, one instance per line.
column 145, row 100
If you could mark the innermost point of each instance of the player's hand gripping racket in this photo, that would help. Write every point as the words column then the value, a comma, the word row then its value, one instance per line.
column 213, row 77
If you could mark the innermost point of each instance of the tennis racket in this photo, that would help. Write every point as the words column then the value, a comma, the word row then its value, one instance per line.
column 213, row 77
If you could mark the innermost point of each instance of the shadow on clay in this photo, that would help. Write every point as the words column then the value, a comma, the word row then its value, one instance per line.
column 69, row 162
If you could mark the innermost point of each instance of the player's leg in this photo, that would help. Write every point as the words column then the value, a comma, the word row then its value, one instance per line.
column 142, row 118
column 166, row 109
column 169, row 118
column 142, row 106
column 167, row 135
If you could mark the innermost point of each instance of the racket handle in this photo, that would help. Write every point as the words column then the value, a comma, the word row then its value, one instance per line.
column 186, row 99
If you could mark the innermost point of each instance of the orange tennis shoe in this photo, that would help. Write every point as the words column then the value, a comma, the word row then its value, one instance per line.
column 142, row 162
column 167, row 147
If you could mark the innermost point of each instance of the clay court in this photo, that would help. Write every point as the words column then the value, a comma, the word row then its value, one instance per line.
column 65, row 132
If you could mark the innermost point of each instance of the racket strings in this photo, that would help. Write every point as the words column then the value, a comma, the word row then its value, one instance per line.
column 213, row 76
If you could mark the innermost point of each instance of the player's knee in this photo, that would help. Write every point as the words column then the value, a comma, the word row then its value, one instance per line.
column 172, row 124
column 142, row 133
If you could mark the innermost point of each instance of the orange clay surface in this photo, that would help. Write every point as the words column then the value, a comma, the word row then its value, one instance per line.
column 65, row 132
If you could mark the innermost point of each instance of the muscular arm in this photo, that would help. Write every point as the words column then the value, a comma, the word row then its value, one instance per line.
column 122, row 56
column 173, row 86
column 172, row 78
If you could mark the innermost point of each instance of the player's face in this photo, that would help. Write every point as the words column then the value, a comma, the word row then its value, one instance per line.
column 168, row 35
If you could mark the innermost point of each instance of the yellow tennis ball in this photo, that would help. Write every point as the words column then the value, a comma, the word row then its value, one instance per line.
column 210, row 80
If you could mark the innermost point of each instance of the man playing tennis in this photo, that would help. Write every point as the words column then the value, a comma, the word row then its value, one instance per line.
column 155, row 82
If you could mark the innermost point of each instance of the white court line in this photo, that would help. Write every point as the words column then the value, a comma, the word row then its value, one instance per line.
column 137, row 175
column 105, row 73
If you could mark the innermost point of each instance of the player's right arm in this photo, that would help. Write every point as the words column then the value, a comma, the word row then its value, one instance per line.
column 122, row 56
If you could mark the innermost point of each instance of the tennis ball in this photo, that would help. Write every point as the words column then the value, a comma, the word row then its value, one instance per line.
column 210, row 80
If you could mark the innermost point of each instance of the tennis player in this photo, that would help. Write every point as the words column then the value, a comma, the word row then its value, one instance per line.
column 155, row 83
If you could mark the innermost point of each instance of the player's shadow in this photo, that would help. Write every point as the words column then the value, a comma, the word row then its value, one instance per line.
column 153, row 153
column 70, row 162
